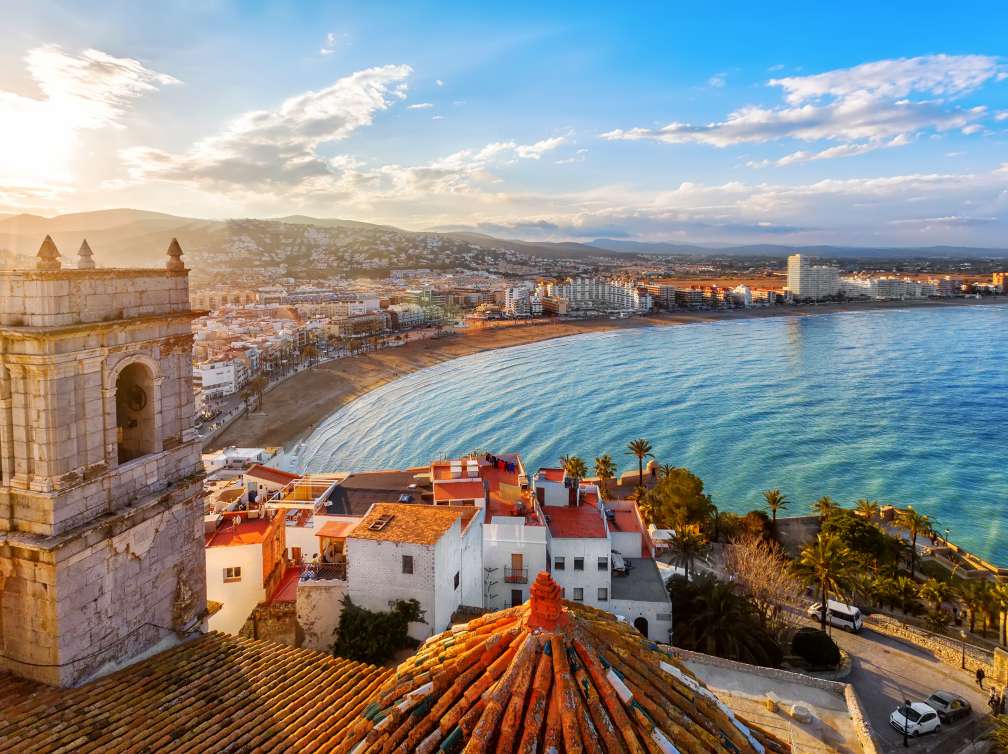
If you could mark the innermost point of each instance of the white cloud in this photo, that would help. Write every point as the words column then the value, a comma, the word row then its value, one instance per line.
column 420, row 106
column 535, row 151
column 437, row 117
column 332, row 43
column 279, row 147
column 861, row 107
column 90, row 91
column 717, row 80
column 578, row 156
column 1003, row 115
column 973, row 128
column 439, row 82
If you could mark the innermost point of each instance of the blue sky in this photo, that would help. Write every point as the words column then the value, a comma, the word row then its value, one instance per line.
column 721, row 123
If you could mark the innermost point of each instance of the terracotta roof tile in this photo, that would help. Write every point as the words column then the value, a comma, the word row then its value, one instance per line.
column 214, row 693
column 574, row 521
column 269, row 474
column 463, row 489
column 419, row 524
column 548, row 676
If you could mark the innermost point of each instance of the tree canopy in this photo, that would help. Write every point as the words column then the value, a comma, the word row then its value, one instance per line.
column 678, row 500
column 370, row 636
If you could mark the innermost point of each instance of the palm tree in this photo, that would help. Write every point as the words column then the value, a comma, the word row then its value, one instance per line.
column 605, row 470
column 687, row 543
column 775, row 501
column 915, row 523
column 575, row 468
column 824, row 507
column 935, row 592
column 906, row 591
column 867, row 508
column 310, row 353
column 973, row 595
column 258, row 385
column 666, row 470
column 642, row 449
column 823, row 564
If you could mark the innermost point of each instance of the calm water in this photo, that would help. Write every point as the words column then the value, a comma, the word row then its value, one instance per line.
column 903, row 406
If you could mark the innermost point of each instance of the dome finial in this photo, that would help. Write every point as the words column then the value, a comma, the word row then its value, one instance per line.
column 175, row 256
column 545, row 608
column 85, row 259
column 48, row 256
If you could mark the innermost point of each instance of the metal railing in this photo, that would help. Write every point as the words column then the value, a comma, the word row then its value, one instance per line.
column 516, row 575
column 315, row 571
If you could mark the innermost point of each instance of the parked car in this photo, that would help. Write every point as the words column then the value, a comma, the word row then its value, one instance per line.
column 916, row 719
column 950, row 707
column 838, row 614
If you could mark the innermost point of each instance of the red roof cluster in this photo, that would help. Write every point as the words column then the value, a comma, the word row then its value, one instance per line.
column 270, row 474
column 575, row 521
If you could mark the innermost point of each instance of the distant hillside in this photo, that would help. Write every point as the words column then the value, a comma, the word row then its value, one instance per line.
column 778, row 250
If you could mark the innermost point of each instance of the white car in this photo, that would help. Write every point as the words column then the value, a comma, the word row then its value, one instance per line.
column 916, row 719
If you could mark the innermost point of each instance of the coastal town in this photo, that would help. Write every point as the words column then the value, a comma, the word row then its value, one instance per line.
column 623, row 572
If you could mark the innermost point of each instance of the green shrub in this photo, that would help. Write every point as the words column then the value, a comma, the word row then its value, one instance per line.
column 816, row 648
column 932, row 569
column 369, row 636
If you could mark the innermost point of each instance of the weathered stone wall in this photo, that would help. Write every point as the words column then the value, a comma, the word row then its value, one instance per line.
column 104, row 593
column 30, row 298
column 99, row 559
column 945, row 649
column 318, row 612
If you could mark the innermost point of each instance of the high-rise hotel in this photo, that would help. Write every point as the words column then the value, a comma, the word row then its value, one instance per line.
column 811, row 281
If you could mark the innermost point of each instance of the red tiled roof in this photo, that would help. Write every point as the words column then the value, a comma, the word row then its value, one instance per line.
column 286, row 588
column 549, row 676
column 336, row 529
column 464, row 489
column 570, row 522
column 552, row 475
column 248, row 532
column 215, row 693
column 269, row 474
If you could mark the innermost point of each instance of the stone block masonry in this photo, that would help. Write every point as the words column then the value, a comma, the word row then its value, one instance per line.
column 101, row 515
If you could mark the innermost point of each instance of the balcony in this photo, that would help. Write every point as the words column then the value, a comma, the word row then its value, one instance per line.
column 515, row 575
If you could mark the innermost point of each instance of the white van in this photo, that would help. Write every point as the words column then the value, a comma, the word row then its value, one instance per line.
column 838, row 614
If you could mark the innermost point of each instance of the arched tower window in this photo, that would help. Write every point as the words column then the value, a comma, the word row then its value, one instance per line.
column 135, row 427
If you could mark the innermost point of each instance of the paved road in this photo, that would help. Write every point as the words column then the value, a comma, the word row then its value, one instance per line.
column 886, row 671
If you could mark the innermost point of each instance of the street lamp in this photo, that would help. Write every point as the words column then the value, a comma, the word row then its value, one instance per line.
column 962, row 634
column 946, row 537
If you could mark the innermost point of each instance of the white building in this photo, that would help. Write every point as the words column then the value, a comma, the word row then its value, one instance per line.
column 600, row 294
column 402, row 551
column 223, row 376
column 742, row 296
column 409, row 315
column 244, row 561
column 809, row 281
column 522, row 301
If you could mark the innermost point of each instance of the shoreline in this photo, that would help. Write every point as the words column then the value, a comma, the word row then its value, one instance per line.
column 293, row 408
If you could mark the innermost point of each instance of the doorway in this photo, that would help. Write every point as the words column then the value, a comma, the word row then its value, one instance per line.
column 641, row 625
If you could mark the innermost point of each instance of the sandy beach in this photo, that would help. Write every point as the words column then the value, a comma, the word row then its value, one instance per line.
column 293, row 408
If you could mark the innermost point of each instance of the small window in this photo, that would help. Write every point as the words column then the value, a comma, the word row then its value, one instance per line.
column 578, row 594
column 603, row 564
column 558, row 564
column 603, row 594
column 407, row 564
column 232, row 574
column 664, row 617
column 578, row 564
column 456, row 579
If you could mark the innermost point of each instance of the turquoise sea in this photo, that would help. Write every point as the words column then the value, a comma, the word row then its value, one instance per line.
column 904, row 406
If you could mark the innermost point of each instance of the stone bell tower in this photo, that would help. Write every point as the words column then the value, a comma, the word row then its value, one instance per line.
column 101, row 531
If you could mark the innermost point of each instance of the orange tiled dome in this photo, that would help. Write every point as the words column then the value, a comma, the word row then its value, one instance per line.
column 548, row 676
